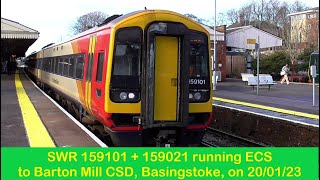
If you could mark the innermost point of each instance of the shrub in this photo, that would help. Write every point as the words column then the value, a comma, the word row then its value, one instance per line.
column 272, row 63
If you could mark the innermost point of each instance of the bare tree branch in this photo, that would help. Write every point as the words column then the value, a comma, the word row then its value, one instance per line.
column 88, row 21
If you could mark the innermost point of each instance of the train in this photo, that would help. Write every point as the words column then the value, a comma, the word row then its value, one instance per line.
column 142, row 79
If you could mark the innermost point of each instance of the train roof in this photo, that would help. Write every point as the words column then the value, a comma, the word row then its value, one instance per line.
column 111, row 22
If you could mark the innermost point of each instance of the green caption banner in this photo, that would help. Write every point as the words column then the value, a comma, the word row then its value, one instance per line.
column 154, row 163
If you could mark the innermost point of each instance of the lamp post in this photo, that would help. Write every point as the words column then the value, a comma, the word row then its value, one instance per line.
column 214, row 48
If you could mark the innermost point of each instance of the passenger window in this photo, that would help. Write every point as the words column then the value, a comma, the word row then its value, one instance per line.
column 100, row 67
column 52, row 65
column 56, row 64
column 41, row 64
column 66, row 67
column 60, row 66
column 71, row 66
column 79, row 68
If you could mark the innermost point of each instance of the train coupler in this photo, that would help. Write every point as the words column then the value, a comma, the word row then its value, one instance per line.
column 166, row 138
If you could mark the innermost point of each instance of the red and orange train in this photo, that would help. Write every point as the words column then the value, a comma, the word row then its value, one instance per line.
column 143, row 78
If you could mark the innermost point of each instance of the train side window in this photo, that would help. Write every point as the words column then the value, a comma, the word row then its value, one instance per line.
column 71, row 66
column 79, row 67
column 100, row 66
column 60, row 66
column 56, row 64
column 66, row 67
column 52, row 64
column 48, row 64
column 41, row 64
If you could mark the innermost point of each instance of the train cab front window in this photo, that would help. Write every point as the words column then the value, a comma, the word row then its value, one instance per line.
column 199, row 76
column 126, row 71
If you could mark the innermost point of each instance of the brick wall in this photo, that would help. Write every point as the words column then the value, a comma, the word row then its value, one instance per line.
column 235, row 66
column 221, row 58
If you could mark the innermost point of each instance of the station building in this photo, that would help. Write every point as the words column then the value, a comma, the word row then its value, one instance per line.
column 16, row 38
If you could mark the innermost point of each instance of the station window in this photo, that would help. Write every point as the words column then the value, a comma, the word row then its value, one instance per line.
column 100, row 66
column 79, row 67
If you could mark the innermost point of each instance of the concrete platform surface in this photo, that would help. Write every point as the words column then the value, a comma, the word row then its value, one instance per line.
column 62, row 130
column 295, row 96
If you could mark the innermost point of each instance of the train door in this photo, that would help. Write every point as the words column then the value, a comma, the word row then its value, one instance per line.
column 98, row 79
column 164, row 100
column 89, row 74
column 165, row 87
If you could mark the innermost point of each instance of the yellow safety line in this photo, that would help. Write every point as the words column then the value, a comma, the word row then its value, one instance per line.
column 296, row 113
column 37, row 134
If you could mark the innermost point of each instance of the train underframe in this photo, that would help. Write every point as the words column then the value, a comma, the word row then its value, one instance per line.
column 161, row 137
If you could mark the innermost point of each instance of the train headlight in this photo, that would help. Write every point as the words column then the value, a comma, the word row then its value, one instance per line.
column 123, row 95
column 197, row 96
column 131, row 95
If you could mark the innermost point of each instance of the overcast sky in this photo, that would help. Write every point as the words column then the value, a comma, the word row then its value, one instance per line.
column 53, row 18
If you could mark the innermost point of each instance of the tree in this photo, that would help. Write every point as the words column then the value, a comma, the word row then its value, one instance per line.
column 272, row 63
column 88, row 21
column 232, row 16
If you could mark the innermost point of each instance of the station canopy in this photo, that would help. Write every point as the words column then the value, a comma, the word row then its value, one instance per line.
column 15, row 39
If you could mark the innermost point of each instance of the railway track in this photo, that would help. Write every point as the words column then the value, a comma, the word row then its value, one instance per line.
column 217, row 138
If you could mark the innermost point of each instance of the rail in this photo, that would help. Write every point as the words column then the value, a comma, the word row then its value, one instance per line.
column 218, row 138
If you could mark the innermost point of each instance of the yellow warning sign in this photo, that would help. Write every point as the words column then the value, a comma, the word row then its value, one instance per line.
column 251, row 41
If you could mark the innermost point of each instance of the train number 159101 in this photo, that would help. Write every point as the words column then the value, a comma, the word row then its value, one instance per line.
column 197, row 81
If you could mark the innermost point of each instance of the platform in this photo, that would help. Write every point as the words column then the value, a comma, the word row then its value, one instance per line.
column 293, row 101
column 20, row 129
column 282, row 116
column 295, row 96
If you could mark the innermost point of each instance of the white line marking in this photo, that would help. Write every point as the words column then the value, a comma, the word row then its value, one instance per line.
column 269, row 116
column 94, row 137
